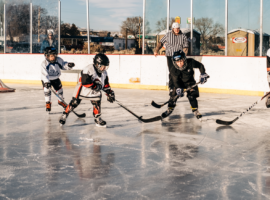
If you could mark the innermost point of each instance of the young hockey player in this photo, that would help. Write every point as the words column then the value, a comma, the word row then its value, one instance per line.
column 182, row 78
column 50, row 73
column 94, row 78
column 267, row 102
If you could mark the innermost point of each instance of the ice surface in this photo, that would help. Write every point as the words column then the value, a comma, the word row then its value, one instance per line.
column 179, row 158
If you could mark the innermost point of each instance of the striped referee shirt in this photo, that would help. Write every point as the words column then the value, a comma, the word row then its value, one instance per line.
column 174, row 42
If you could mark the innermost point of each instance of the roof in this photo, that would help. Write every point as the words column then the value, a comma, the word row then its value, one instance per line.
column 248, row 31
column 93, row 39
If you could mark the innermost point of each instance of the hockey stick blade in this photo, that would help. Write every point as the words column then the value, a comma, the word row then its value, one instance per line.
column 78, row 115
column 154, row 119
column 154, row 104
column 218, row 121
column 140, row 118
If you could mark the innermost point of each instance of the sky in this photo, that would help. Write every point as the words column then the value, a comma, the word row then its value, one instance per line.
column 109, row 14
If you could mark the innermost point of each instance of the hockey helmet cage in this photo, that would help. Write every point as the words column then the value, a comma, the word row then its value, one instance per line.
column 101, row 60
column 179, row 55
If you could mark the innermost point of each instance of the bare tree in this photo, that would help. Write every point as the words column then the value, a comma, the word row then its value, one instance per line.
column 70, row 30
column 162, row 24
column 132, row 24
column 18, row 20
column 208, row 29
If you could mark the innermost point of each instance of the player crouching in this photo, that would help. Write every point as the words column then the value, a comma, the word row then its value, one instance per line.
column 94, row 78
column 182, row 78
column 50, row 73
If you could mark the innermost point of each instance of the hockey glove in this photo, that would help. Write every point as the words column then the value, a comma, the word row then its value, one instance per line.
column 97, row 86
column 203, row 78
column 180, row 92
column 47, row 85
column 71, row 65
column 110, row 96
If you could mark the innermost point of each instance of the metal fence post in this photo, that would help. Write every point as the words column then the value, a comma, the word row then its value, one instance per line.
column 261, row 28
column 59, row 26
column 5, row 43
column 31, row 27
column 143, row 26
column 191, row 27
column 226, row 27
column 88, row 30
column 168, row 15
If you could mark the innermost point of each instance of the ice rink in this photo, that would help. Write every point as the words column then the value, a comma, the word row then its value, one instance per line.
column 178, row 158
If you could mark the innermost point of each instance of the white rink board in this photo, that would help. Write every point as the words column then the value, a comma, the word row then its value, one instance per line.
column 153, row 70
column 237, row 73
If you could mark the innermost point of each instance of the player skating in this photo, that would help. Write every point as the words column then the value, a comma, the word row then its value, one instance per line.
column 182, row 78
column 94, row 78
column 50, row 73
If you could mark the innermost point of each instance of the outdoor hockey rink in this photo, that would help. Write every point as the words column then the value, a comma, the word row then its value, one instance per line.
column 178, row 158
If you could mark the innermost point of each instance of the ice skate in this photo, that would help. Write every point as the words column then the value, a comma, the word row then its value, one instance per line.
column 63, row 118
column 267, row 102
column 167, row 112
column 60, row 103
column 197, row 114
column 100, row 122
column 48, row 107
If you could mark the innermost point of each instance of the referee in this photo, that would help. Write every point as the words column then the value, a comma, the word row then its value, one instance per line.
column 175, row 40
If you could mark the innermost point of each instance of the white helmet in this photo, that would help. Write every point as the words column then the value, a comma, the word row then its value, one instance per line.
column 175, row 25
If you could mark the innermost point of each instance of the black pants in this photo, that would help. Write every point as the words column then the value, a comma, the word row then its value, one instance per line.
column 57, row 85
column 192, row 95
column 171, row 69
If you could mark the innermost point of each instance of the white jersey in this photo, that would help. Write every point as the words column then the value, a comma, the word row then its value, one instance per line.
column 51, row 71
column 84, row 90
column 268, row 53
column 90, row 71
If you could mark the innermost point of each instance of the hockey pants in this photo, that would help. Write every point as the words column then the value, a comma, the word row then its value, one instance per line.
column 75, row 102
column 57, row 85
column 191, row 95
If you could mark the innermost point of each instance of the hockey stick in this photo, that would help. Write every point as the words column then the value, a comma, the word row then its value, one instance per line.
column 230, row 122
column 157, row 118
column 78, row 115
column 174, row 99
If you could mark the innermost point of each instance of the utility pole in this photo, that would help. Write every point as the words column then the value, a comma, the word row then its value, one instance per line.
column 126, row 36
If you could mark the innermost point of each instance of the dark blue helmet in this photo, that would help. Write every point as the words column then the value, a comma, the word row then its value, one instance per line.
column 179, row 55
column 49, row 51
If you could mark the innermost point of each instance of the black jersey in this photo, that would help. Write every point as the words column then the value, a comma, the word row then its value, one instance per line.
column 186, row 76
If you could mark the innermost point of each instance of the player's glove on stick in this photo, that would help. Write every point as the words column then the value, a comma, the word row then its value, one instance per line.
column 47, row 85
column 70, row 65
column 97, row 86
column 203, row 78
column 180, row 92
column 110, row 96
